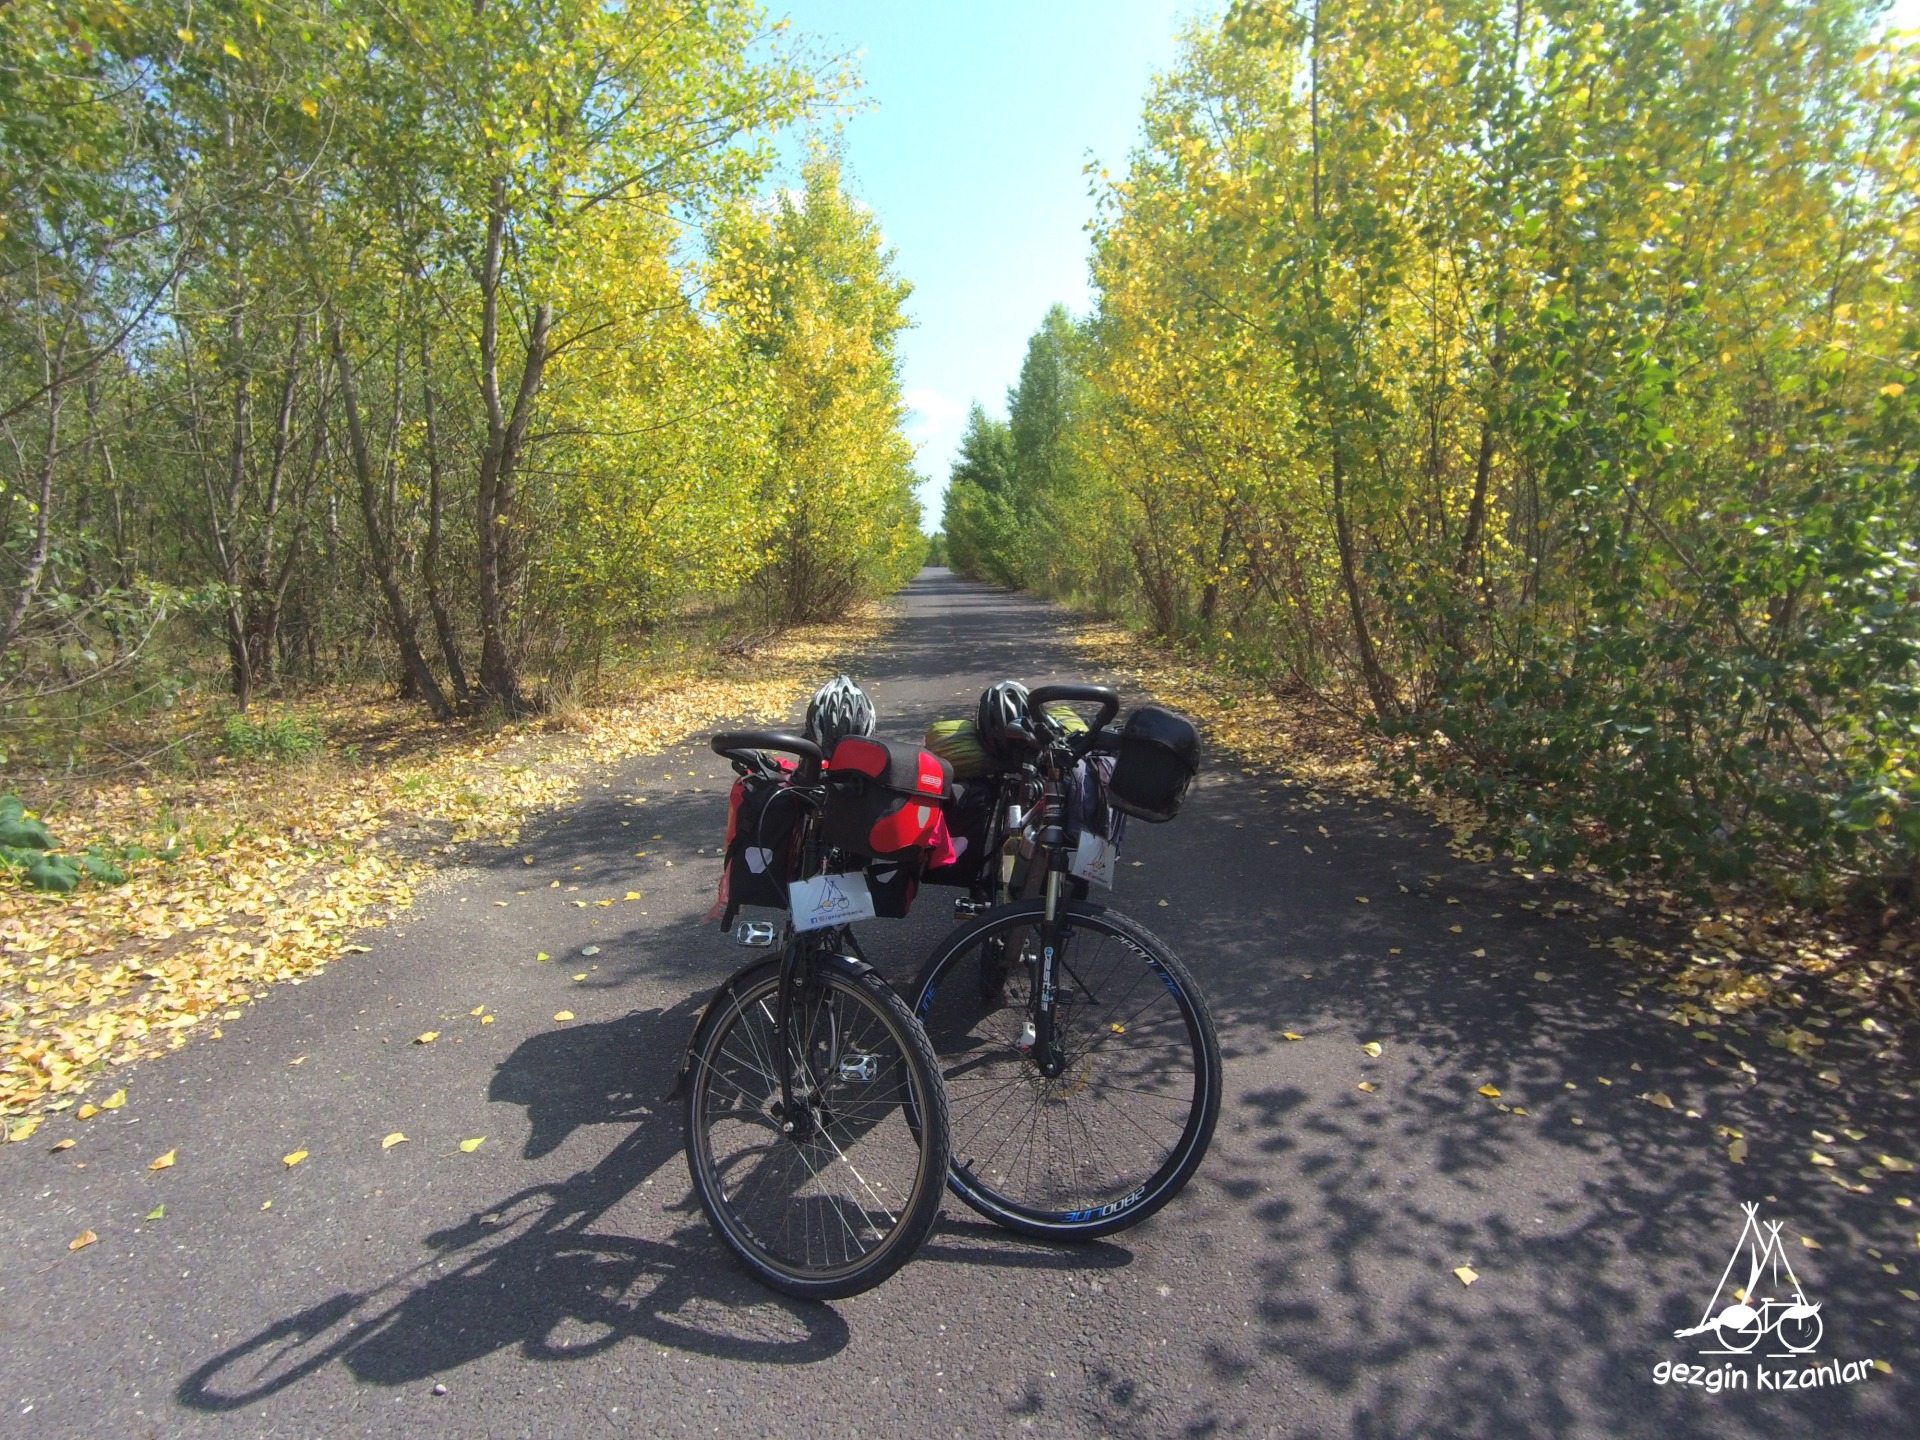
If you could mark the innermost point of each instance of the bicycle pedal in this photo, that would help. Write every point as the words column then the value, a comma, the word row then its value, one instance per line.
column 754, row 934
column 969, row 909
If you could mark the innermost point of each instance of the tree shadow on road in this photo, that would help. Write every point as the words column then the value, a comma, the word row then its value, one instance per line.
column 533, row 1272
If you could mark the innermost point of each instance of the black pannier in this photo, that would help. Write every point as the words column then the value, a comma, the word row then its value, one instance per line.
column 893, row 884
column 1159, row 756
column 969, row 818
column 763, row 817
column 885, row 799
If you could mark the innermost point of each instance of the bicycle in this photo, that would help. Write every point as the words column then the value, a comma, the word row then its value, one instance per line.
column 1083, row 1068
column 817, row 1127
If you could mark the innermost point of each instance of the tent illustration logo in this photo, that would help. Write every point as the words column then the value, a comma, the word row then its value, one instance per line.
column 1770, row 1304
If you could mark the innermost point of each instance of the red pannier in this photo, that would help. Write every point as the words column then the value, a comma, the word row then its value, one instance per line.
column 886, row 799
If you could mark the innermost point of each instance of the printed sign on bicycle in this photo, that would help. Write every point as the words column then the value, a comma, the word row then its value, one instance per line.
column 829, row 900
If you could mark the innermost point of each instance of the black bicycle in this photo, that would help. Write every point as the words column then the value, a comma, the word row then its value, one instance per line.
column 817, row 1126
column 1081, row 1064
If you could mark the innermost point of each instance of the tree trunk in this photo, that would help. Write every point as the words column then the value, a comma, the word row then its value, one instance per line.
column 1378, row 690
column 378, row 549
column 430, row 557
column 506, row 437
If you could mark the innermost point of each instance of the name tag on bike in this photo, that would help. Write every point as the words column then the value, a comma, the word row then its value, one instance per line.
column 1094, row 859
column 829, row 900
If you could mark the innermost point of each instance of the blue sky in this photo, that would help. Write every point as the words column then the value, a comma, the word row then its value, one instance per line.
column 981, row 118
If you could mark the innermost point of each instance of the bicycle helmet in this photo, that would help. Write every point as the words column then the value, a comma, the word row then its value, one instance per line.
column 1005, row 733
column 838, row 708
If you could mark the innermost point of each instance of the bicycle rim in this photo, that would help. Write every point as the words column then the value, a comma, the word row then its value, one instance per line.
column 842, row 1201
column 1124, row 1125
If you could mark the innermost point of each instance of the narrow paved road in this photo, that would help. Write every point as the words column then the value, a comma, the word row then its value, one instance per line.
column 560, row 1280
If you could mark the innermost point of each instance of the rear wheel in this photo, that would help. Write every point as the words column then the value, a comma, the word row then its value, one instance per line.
column 831, row 1199
column 1123, row 1126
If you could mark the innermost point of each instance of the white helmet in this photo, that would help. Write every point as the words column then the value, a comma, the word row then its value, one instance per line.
column 838, row 708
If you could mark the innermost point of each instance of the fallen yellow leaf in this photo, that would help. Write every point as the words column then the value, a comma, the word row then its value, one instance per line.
column 1737, row 1152
column 1372, row 1047
column 477, row 1010
column 1820, row 1159
column 1890, row 1162
column 165, row 1162
column 1492, row 1092
column 543, row 954
column 1542, row 975
column 82, row 1240
column 1883, row 1367
column 633, row 894
column 114, row 1101
column 469, row 1146
column 1660, row 1098
column 66, row 1144
column 294, row 1159
column 86, row 1112
column 1810, row 1243
column 426, row 1037
column 299, row 1061
column 1289, row 1035
column 1466, row 1274
column 1363, row 899
column 564, row 1015
column 396, row 1138
column 580, row 976
column 22, row 1130
column 1911, row 1294
column 1368, row 1086
column 486, row 1019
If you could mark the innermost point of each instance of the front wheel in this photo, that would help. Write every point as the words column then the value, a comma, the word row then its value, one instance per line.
column 1122, row 1127
column 831, row 1198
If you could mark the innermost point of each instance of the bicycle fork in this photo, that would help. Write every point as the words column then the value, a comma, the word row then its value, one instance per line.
column 1044, row 1047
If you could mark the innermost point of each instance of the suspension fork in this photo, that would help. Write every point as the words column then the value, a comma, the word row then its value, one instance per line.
column 1047, row 1053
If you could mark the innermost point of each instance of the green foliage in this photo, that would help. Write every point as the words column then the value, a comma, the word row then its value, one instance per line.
column 284, row 738
column 936, row 549
column 27, row 851
column 1542, row 379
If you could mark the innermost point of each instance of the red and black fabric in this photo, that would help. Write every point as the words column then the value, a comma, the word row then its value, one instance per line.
column 893, row 884
column 969, row 819
column 763, row 828
column 886, row 799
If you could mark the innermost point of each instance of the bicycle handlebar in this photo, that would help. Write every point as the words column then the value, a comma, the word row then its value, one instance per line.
column 1100, row 695
column 729, row 741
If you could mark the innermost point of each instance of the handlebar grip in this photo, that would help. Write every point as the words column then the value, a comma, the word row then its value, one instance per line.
column 730, row 740
column 1100, row 695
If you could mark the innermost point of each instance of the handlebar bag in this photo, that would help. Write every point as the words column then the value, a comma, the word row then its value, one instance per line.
column 1159, row 756
column 763, row 827
column 1089, row 796
column 886, row 799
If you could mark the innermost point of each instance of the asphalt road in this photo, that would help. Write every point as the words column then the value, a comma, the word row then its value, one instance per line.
column 560, row 1279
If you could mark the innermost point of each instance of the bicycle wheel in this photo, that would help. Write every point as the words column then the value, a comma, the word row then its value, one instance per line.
column 1114, row 1136
column 842, row 1199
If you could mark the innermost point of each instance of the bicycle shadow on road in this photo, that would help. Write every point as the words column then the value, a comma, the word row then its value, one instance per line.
column 532, row 1272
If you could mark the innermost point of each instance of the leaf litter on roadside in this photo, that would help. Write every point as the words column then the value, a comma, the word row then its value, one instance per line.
column 276, row 867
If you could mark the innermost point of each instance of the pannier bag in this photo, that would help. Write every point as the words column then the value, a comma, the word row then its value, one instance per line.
column 763, row 818
column 1159, row 756
column 1089, row 787
column 969, row 817
column 886, row 800
column 893, row 884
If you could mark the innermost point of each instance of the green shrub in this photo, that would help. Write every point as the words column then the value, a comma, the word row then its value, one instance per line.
column 283, row 738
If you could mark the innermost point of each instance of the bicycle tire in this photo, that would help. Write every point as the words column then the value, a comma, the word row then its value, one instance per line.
column 1024, row 1146
column 840, row 1208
